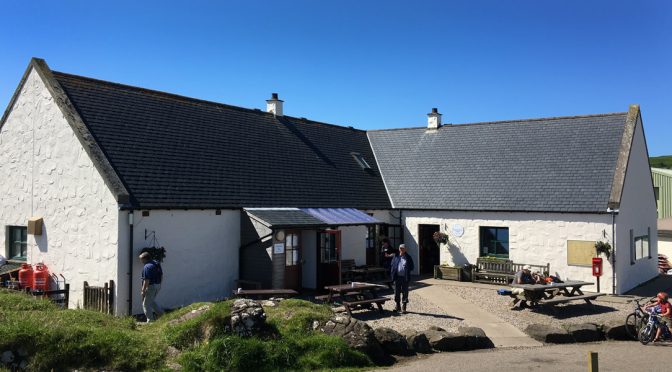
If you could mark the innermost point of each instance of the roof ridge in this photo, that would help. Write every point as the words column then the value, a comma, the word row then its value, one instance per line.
column 507, row 121
column 193, row 100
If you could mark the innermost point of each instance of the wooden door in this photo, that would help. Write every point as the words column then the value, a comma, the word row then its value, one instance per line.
column 329, row 256
column 293, row 260
column 429, row 250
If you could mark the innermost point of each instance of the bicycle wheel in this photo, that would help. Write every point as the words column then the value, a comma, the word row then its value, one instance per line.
column 633, row 324
column 646, row 334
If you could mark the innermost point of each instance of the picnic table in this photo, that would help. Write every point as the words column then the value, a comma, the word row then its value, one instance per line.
column 552, row 293
column 265, row 293
column 356, row 294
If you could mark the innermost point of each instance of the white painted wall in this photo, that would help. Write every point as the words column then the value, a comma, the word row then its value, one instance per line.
column 309, row 252
column 534, row 238
column 46, row 172
column 637, row 212
column 353, row 243
column 665, row 247
column 201, row 261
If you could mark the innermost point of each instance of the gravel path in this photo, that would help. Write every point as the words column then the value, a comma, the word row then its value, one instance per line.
column 570, row 313
column 421, row 315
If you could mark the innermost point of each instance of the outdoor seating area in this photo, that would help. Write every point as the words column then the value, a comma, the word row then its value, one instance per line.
column 355, row 295
column 550, row 294
column 500, row 271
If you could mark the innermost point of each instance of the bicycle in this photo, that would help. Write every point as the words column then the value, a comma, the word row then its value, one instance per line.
column 635, row 320
column 648, row 332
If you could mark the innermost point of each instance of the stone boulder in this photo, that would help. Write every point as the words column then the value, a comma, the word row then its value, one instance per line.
column 445, row 341
column 614, row 329
column 247, row 318
column 417, row 341
column 393, row 342
column 190, row 315
column 436, row 328
column 549, row 334
column 475, row 338
column 359, row 336
column 585, row 332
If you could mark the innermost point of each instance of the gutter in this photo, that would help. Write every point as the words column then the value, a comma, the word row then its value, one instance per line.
column 130, row 263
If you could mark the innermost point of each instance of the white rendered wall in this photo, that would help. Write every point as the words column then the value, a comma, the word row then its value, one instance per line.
column 46, row 172
column 534, row 238
column 201, row 261
column 353, row 243
column 637, row 212
column 665, row 247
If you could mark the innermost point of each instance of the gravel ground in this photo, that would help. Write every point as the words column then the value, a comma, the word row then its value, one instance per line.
column 569, row 313
column 421, row 315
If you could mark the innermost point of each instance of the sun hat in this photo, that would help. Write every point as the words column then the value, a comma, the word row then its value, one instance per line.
column 527, row 267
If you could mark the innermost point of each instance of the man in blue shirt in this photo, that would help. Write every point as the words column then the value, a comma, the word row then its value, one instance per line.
column 400, row 270
column 151, row 284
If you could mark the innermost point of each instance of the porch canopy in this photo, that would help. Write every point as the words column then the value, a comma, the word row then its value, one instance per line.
column 310, row 217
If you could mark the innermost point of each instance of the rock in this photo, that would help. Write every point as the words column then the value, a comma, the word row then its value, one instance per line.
column 585, row 332
column 475, row 338
column 392, row 341
column 549, row 334
column 615, row 330
column 359, row 336
column 435, row 328
column 417, row 341
column 7, row 357
column 268, row 303
column 190, row 315
column 444, row 341
column 247, row 318
column 316, row 324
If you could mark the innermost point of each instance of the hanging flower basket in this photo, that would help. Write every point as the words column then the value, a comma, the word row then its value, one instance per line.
column 440, row 238
column 603, row 248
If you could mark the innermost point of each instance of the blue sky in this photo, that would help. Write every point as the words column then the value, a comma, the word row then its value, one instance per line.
column 369, row 64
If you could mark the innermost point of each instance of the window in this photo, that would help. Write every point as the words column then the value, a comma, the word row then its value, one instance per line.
column 17, row 242
column 371, row 237
column 495, row 241
column 656, row 194
column 292, row 249
column 639, row 246
column 328, row 248
column 360, row 160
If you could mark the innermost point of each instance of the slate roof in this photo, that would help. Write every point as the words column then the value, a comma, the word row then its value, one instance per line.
column 550, row 165
column 177, row 152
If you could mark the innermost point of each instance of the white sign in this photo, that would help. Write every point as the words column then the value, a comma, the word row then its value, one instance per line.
column 458, row 230
column 279, row 248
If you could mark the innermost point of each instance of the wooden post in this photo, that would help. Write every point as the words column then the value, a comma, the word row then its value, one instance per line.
column 593, row 365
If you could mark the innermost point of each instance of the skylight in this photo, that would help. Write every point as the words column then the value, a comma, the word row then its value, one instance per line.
column 360, row 160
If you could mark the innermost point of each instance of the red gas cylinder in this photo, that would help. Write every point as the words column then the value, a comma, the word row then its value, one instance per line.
column 41, row 277
column 26, row 276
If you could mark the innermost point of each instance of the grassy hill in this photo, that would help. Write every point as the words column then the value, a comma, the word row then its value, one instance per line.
column 661, row 162
column 47, row 338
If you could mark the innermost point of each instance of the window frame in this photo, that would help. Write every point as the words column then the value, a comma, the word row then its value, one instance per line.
column 490, row 253
column 10, row 245
column 292, row 251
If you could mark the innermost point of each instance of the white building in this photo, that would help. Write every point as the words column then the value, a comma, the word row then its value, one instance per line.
column 112, row 169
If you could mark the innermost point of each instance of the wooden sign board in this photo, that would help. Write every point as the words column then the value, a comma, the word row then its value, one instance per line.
column 580, row 252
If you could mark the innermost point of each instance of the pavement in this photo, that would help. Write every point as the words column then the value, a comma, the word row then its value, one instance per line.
column 501, row 333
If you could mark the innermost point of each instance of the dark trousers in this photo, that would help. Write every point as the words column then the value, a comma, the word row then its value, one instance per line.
column 400, row 290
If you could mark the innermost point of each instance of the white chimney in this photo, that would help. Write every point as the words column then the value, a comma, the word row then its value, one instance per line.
column 274, row 105
column 434, row 119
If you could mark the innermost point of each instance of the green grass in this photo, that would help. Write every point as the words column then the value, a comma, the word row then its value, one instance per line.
column 661, row 162
column 80, row 339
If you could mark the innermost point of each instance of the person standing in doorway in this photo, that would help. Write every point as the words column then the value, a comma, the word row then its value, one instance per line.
column 152, row 274
column 400, row 270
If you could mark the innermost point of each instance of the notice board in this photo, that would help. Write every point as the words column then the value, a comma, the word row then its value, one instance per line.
column 580, row 252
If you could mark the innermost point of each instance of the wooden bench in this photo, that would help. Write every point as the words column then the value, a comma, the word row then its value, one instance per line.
column 325, row 298
column 499, row 271
column 349, row 305
column 563, row 299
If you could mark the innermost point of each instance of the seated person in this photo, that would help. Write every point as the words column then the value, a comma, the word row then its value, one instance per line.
column 663, row 308
column 524, row 276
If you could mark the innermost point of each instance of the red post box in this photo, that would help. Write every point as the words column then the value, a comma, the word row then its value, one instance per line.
column 597, row 266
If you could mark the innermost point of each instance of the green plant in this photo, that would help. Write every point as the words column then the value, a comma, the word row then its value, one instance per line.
column 440, row 238
column 603, row 248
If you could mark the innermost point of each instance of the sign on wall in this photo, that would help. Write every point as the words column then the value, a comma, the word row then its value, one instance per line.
column 457, row 230
column 279, row 248
column 580, row 252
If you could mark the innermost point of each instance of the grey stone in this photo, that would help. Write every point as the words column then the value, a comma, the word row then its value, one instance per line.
column 445, row 341
column 475, row 338
column 418, row 342
column 549, row 334
column 7, row 357
column 247, row 318
column 435, row 328
column 359, row 336
column 392, row 341
column 614, row 329
column 585, row 332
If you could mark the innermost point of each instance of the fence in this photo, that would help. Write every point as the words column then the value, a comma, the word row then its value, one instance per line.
column 99, row 298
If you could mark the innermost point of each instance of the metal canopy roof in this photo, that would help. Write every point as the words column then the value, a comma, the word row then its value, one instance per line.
column 310, row 217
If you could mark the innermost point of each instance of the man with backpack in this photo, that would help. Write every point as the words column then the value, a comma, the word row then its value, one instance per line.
column 152, row 274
